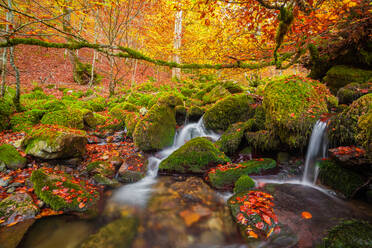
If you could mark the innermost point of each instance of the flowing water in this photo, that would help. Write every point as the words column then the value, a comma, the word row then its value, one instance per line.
column 138, row 193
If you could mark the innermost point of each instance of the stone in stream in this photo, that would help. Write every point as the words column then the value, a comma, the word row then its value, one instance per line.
column 55, row 142
column 17, row 207
column 10, row 157
column 194, row 113
column 195, row 156
column 103, row 173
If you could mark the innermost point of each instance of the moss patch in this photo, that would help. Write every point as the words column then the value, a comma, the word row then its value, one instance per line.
column 340, row 75
column 26, row 120
column 244, row 183
column 17, row 207
column 196, row 156
column 11, row 157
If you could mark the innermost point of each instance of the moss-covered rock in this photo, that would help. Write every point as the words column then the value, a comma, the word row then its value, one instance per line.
column 352, row 92
column 83, row 72
column 103, row 173
column 232, row 86
column 157, row 129
column 340, row 179
column 196, row 156
column 129, row 176
column 61, row 191
column 216, row 94
column 194, row 113
column 131, row 121
column 226, row 175
column 262, row 141
column 181, row 112
column 53, row 142
column 100, row 119
column 17, row 207
column 229, row 110
column 6, row 109
column 352, row 125
column 54, row 105
column 97, row 103
column 11, row 157
column 340, row 75
column 26, row 120
column 117, row 234
column 244, row 183
column 292, row 106
column 119, row 111
column 230, row 141
column 72, row 118
column 349, row 233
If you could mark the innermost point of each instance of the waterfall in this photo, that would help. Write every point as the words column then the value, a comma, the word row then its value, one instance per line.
column 317, row 149
column 138, row 193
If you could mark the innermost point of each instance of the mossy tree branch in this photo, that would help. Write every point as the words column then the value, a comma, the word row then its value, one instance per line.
column 125, row 52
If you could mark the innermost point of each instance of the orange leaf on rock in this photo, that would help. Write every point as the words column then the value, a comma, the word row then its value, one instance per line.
column 189, row 217
column 306, row 215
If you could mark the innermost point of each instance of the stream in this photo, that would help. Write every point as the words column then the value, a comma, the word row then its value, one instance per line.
column 183, row 211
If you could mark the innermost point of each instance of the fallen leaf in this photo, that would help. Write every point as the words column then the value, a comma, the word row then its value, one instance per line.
column 306, row 215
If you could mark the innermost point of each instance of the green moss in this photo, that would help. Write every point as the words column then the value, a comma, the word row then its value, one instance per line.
column 157, row 129
column 37, row 94
column 140, row 99
column 229, row 110
column 6, row 109
column 120, row 110
column 131, row 121
column 72, row 118
column 338, row 178
column 262, row 141
column 340, row 75
column 97, row 104
column 215, row 94
column 244, row 183
column 194, row 113
column 100, row 119
column 352, row 92
column 349, row 233
column 18, row 206
column 117, row 234
column 227, row 175
column 103, row 173
column 230, row 141
column 232, row 86
column 181, row 113
column 131, row 176
column 46, row 181
column 83, row 72
column 346, row 129
column 26, row 120
column 54, row 105
column 196, row 156
column 364, row 137
column 11, row 157
column 292, row 105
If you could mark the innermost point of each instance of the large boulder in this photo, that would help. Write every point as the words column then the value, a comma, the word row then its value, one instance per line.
column 11, row 157
column 353, row 125
column 229, row 110
column 6, row 109
column 340, row 75
column 62, row 191
column 352, row 92
column 293, row 105
column 157, row 129
column 17, row 207
column 230, row 141
column 196, row 156
column 55, row 142
column 72, row 118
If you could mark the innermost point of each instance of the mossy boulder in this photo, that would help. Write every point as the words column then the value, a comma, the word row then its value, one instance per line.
column 11, row 157
column 97, row 103
column 232, row 86
column 103, row 173
column 100, row 119
column 62, row 191
column 196, row 156
column 194, row 113
column 26, row 120
column 215, row 94
column 292, row 106
column 229, row 110
column 157, row 129
column 6, row 109
column 244, row 183
column 181, row 112
column 352, row 92
column 225, row 176
column 129, row 176
column 83, row 72
column 262, row 140
column 72, row 118
column 17, row 207
column 340, row 75
column 54, row 105
column 120, row 110
column 230, row 141
column 117, row 234
column 349, row 233
column 131, row 121
column 55, row 142
column 353, row 126
column 343, row 180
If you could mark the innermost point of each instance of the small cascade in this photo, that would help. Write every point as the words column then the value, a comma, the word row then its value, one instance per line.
column 139, row 192
column 317, row 149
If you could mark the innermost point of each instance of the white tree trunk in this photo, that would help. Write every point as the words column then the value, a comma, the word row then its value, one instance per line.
column 176, row 72
column 94, row 55
column 3, row 70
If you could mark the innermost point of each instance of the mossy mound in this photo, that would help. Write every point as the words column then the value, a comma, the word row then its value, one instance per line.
column 226, row 175
column 352, row 125
column 131, row 121
column 340, row 75
column 196, row 156
column 11, row 157
column 54, row 105
column 83, row 72
column 216, row 94
column 6, row 109
column 352, row 92
column 194, row 113
column 120, row 110
column 97, row 103
column 61, row 191
column 229, row 110
column 244, row 183
column 292, row 106
column 26, row 120
column 72, row 118
column 157, row 129
column 17, row 207
column 232, row 86
column 103, row 173
column 349, row 233
column 230, row 141
column 262, row 140
column 52, row 142
column 340, row 179
column 117, row 234
column 100, row 119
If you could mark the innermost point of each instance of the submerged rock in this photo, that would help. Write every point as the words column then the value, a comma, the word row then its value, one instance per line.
column 55, row 142
column 10, row 157
column 196, row 156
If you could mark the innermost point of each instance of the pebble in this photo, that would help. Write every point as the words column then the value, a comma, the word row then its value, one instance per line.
column 11, row 190
column 5, row 183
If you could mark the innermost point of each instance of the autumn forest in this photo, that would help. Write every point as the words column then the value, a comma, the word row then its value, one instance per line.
column 188, row 123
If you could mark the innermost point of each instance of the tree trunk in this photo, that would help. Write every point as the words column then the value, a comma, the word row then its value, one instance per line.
column 91, row 81
column 112, row 79
column 3, row 71
column 176, row 72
